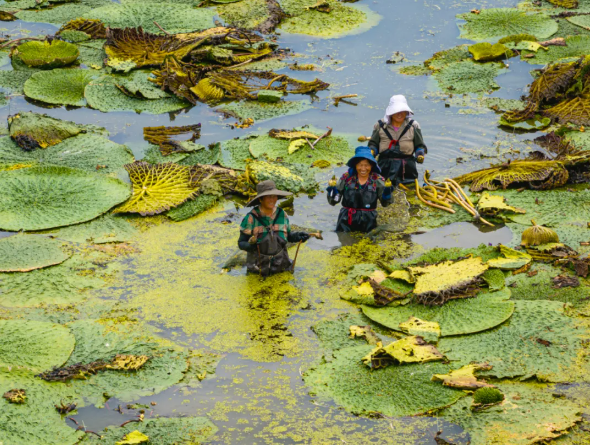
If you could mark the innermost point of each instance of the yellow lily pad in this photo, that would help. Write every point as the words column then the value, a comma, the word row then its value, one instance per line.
column 406, row 350
column 512, row 260
column 364, row 289
column 429, row 330
column 464, row 377
column 134, row 438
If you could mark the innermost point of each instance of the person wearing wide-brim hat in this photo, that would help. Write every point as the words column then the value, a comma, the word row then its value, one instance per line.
column 397, row 141
column 265, row 231
column 359, row 189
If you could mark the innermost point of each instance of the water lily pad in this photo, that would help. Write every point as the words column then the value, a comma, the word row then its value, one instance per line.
column 179, row 19
column 25, row 252
column 334, row 149
column 192, row 207
column 47, row 54
column 104, row 95
column 59, row 284
column 485, row 51
column 576, row 46
column 539, row 340
column 511, row 260
column 263, row 111
column 403, row 351
column 463, row 378
column 57, row 15
column 456, row 317
column 364, row 391
column 102, row 230
column 234, row 153
column 38, row 198
column 468, row 77
column 32, row 130
column 59, row 86
column 498, row 22
column 35, row 345
column 157, row 188
column 137, row 84
column 529, row 414
column 537, row 123
column 91, row 152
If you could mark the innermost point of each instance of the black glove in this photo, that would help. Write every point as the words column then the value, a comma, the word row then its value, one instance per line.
column 300, row 236
column 244, row 243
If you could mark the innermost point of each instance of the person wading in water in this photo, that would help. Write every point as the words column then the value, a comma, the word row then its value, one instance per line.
column 359, row 189
column 265, row 231
column 398, row 143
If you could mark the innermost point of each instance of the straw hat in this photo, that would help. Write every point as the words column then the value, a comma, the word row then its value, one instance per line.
column 267, row 188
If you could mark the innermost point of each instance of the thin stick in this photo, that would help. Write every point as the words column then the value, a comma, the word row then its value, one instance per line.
column 338, row 98
column 161, row 29
column 240, row 64
column 19, row 40
column 272, row 81
column 327, row 134
column 127, row 422
column 295, row 259
column 309, row 142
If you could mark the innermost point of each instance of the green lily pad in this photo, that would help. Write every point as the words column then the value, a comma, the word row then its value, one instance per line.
column 192, row 207
column 104, row 95
column 91, row 152
column 468, row 77
column 485, row 51
column 234, row 153
column 59, row 86
column 163, row 431
column 59, row 284
column 582, row 21
column 179, row 19
column 39, row 198
column 102, row 230
column 529, row 414
column 514, row 349
column 26, row 252
column 576, row 46
column 456, row 317
column 137, row 84
column 259, row 111
column 246, row 14
column 47, row 54
column 57, row 15
column 361, row 390
column 537, row 123
column 34, row 345
column 498, row 22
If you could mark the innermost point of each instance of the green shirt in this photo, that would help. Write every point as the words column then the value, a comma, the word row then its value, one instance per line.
column 259, row 227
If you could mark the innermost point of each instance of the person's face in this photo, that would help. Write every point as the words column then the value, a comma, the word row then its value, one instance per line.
column 269, row 202
column 363, row 168
column 399, row 116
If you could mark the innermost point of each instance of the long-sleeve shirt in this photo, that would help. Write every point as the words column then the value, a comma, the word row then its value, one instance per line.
column 412, row 142
column 348, row 179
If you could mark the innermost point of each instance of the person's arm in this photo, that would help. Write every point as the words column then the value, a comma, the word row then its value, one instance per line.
column 244, row 244
column 420, row 149
column 375, row 140
column 339, row 188
column 385, row 191
column 295, row 236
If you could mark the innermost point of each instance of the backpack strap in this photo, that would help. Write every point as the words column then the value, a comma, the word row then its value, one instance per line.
column 256, row 217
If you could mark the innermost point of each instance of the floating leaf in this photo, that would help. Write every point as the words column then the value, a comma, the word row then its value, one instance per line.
column 59, row 86
column 284, row 178
column 493, row 205
column 513, row 349
column 157, row 188
column 180, row 19
column 530, row 414
column 441, row 59
column 163, row 137
column 498, row 22
column 463, row 378
column 364, row 391
column 512, row 260
column 94, row 28
column 133, row 438
column 47, row 54
column 34, row 344
column 575, row 47
column 538, row 235
column 259, row 112
column 575, row 111
column 495, row 279
column 569, row 4
column 38, row 198
column 550, row 173
column 192, row 207
column 137, row 84
column 428, row 330
column 485, row 51
column 57, row 15
column 468, row 77
column 456, row 317
column 102, row 230
column 406, row 350
column 25, row 252
column 102, row 94
column 32, row 130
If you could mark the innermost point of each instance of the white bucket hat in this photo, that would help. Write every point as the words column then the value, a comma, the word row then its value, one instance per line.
column 397, row 103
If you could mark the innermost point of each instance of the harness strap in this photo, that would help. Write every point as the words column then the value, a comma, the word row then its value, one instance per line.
column 394, row 142
column 256, row 217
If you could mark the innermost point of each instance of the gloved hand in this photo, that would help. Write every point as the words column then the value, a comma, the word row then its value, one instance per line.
column 420, row 155
column 388, row 190
column 420, row 159
column 300, row 236
column 253, row 240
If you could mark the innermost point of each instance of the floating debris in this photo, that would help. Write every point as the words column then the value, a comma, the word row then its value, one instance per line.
column 16, row 396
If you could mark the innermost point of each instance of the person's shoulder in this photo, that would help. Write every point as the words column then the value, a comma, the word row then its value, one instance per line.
column 248, row 219
column 376, row 126
column 377, row 177
column 416, row 125
column 345, row 176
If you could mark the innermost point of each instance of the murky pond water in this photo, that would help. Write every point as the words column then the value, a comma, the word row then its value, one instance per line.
column 257, row 394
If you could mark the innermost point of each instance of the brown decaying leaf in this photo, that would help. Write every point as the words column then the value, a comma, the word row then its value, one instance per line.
column 94, row 28
column 161, row 136
column 581, row 267
column 562, row 281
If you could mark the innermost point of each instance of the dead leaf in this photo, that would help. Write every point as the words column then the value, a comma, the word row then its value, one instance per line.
column 562, row 281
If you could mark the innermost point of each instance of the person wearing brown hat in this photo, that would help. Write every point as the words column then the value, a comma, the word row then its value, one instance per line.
column 265, row 231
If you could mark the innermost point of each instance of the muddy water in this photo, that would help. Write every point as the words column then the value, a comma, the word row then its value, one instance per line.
column 257, row 394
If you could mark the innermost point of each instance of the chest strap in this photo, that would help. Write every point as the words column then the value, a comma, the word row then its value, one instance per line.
column 393, row 142
column 256, row 217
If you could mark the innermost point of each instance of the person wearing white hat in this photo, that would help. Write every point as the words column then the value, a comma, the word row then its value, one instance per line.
column 398, row 143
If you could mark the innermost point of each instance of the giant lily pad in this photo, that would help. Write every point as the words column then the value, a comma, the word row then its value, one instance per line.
column 259, row 111
column 102, row 230
column 59, row 86
column 104, row 95
column 468, row 77
column 25, row 252
column 492, row 205
column 576, row 46
column 539, row 340
column 38, row 198
column 179, row 19
column 283, row 177
column 456, row 317
column 57, row 15
column 59, row 284
column 334, row 149
column 86, row 151
column 157, row 188
column 511, row 260
column 498, row 22
column 47, row 54
column 32, row 130
column 33, row 344
column 529, row 414
column 364, row 391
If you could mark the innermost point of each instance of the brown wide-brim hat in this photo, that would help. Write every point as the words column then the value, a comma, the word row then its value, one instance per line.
column 267, row 188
